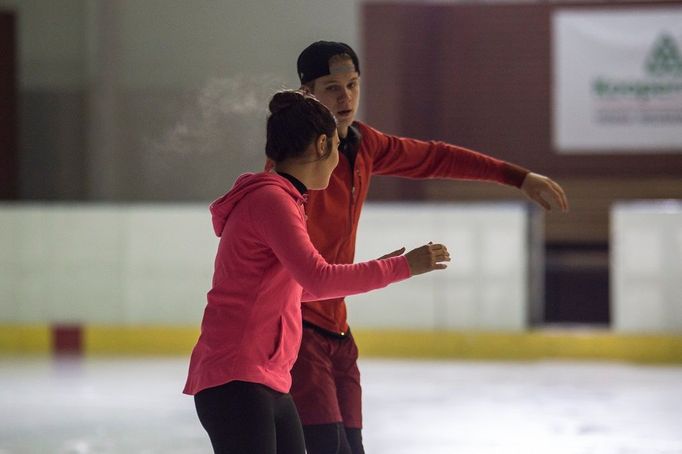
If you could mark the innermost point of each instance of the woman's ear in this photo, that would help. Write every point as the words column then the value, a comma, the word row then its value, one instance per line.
column 321, row 146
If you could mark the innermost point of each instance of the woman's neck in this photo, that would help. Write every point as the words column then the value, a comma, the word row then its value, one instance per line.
column 300, row 187
column 297, row 171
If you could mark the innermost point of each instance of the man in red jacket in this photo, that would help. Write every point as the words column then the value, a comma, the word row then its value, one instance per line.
column 326, row 380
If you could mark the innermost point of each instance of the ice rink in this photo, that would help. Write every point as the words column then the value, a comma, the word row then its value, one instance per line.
column 135, row 406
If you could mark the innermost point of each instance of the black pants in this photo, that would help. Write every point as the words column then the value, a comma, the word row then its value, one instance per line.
column 333, row 439
column 249, row 418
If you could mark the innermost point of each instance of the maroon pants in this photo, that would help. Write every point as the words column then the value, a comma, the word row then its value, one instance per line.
column 326, row 380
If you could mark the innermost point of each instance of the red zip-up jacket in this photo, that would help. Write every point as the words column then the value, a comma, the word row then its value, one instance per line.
column 265, row 266
column 333, row 213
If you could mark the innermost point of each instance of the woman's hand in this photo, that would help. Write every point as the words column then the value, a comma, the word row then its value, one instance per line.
column 427, row 258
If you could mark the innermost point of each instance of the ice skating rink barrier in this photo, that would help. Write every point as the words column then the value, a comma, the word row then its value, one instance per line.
column 132, row 279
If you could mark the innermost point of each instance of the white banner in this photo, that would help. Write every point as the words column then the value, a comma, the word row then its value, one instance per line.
column 617, row 80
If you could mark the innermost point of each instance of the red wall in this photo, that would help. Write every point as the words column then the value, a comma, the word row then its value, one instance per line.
column 478, row 76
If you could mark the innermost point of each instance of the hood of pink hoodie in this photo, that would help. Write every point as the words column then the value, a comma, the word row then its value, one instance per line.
column 245, row 184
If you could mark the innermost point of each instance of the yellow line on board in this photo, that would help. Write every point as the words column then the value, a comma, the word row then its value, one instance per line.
column 139, row 340
column 25, row 339
column 532, row 345
column 475, row 345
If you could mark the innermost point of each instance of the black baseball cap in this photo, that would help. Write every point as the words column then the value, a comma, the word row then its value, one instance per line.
column 314, row 60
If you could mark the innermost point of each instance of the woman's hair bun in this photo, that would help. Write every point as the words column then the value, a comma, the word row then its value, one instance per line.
column 296, row 119
column 284, row 99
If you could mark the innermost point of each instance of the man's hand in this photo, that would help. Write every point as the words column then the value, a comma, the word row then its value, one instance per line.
column 536, row 186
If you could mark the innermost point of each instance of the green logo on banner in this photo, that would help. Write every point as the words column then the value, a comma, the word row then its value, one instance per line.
column 663, row 62
column 665, row 58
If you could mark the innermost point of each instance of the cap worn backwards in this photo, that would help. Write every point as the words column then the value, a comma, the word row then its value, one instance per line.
column 314, row 60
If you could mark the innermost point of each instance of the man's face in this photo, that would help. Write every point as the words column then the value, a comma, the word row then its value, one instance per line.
column 340, row 92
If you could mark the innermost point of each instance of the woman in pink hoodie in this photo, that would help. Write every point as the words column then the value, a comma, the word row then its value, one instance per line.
column 239, row 372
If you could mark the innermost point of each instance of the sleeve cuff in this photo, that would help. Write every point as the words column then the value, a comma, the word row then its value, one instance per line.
column 514, row 175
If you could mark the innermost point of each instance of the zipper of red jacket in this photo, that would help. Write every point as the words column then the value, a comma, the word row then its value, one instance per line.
column 351, row 214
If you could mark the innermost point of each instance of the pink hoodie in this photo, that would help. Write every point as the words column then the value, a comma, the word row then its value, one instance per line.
column 251, row 330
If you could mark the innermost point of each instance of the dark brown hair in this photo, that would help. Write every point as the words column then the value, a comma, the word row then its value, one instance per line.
column 296, row 119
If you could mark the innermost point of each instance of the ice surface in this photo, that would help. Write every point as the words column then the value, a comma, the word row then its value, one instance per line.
column 136, row 406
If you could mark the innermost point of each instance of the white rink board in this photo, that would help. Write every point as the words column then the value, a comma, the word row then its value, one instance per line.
column 646, row 266
column 105, row 264
column 485, row 285
column 152, row 264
